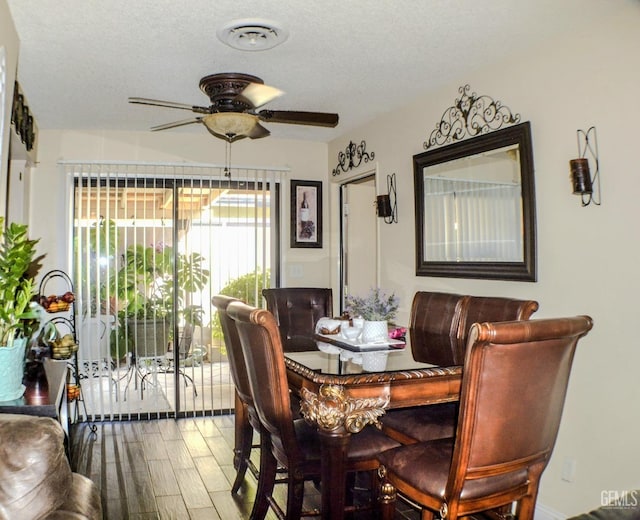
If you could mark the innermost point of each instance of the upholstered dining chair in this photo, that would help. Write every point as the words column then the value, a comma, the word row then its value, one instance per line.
column 293, row 444
column 247, row 420
column 513, row 391
column 439, row 344
column 434, row 322
column 478, row 309
column 297, row 310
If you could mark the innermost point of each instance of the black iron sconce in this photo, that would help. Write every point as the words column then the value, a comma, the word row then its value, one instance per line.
column 582, row 181
column 386, row 205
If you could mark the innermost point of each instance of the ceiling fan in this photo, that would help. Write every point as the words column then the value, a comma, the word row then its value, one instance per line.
column 232, row 114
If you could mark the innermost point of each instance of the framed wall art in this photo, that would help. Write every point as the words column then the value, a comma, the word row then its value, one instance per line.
column 306, row 214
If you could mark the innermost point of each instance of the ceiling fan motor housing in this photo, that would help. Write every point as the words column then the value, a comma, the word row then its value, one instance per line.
column 224, row 90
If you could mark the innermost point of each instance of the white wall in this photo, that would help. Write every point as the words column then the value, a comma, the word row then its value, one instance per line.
column 587, row 257
column 306, row 160
column 8, row 40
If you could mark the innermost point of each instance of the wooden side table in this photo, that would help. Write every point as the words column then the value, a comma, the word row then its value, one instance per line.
column 44, row 396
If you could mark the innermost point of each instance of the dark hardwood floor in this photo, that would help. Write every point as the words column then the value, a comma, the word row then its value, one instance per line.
column 172, row 469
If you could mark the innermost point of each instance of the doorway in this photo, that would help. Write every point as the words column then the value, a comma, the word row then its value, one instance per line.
column 358, row 237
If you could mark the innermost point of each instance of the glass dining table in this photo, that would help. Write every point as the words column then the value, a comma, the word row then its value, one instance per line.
column 344, row 387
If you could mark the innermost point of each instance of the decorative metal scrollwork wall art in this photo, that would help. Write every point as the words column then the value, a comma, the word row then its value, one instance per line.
column 22, row 119
column 352, row 157
column 471, row 115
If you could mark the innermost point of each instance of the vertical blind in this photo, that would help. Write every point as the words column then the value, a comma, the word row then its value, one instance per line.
column 152, row 243
column 472, row 220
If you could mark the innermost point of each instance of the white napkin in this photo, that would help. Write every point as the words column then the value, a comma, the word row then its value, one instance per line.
column 327, row 323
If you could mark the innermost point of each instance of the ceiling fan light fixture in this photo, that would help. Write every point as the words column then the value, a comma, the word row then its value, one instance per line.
column 252, row 34
column 230, row 124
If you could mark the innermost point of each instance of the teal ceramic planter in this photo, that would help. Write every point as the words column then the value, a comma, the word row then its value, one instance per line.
column 12, row 370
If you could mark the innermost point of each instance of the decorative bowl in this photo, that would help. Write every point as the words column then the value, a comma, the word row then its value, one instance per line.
column 350, row 332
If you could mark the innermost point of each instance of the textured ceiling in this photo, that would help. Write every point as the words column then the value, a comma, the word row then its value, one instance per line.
column 81, row 59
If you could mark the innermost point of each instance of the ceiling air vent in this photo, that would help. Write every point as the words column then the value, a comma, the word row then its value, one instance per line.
column 252, row 35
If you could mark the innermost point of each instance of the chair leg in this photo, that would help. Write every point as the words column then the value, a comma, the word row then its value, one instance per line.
column 266, row 478
column 242, row 455
column 295, row 496
column 386, row 495
column 525, row 508
column 426, row 514
column 350, row 491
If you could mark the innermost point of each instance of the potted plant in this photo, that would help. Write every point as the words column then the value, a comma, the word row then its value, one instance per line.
column 377, row 309
column 19, row 318
column 145, row 293
column 245, row 287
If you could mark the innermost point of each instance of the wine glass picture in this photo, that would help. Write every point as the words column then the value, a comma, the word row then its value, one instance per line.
column 306, row 213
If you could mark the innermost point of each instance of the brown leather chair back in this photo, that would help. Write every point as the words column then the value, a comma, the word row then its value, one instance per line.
column 478, row 309
column 433, row 327
column 235, row 356
column 513, row 392
column 264, row 357
column 297, row 310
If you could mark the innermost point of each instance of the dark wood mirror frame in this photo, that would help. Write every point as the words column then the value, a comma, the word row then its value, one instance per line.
column 525, row 270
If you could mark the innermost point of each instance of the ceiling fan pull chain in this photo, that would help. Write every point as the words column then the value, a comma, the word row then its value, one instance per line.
column 227, row 167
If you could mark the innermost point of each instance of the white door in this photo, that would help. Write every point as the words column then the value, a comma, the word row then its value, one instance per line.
column 359, row 237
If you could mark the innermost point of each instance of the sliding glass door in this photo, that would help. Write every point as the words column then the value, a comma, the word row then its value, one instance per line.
column 152, row 244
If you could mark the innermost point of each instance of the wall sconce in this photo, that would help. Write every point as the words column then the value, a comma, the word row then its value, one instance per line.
column 386, row 205
column 582, row 181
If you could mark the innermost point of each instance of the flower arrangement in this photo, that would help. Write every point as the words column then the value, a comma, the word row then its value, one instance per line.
column 376, row 306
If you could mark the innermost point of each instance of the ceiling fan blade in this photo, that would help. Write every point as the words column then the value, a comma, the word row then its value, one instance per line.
column 168, row 104
column 176, row 124
column 299, row 118
column 258, row 94
column 258, row 131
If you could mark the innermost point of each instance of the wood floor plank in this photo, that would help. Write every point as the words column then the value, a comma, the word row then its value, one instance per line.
column 228, row 507
column 131, row 456
column 110, row 446
column 143, row 516
column 128, row 432
column 172, row 508
column 196, row 443
column 154, row 447
column 140, row 497
column 212, row 474
column 222, row 451
column 228, row 432
column 179, row 454
column 169, row 430
column 188, row 424
column 113, row 483
column 208, row 513
column 230, row 472
column 115, row 510
column 208, row 427
column 192, row 488
column 163, row 478
column 148, row 426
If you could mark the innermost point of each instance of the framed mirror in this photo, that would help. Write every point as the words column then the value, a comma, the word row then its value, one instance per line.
column 475, row 207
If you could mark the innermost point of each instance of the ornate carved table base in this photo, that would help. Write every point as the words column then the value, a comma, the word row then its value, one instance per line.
column 337, row 417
